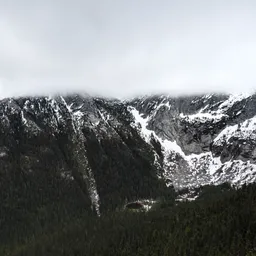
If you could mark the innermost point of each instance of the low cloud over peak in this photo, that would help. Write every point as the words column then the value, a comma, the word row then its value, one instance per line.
column 121, row 48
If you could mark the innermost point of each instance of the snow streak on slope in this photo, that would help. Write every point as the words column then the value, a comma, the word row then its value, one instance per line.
column 147, row 134
column 231, row 101
column 245, row 130
column 189, row 171
column 203, row 117
column 81, row 156
column 215, row 115
column 171, row 152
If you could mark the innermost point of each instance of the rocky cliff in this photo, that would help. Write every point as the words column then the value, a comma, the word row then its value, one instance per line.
column 107, row 152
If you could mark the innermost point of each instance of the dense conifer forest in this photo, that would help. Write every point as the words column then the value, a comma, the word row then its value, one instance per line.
column 221, row 222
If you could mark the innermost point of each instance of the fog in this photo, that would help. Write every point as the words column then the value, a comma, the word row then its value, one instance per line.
column 123, row 48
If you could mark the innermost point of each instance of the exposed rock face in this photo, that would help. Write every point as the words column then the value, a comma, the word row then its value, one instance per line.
column 213, row 137
column 111, row 151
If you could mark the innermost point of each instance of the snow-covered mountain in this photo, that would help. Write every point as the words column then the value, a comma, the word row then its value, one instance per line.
column 133, row 148
column 207, row 139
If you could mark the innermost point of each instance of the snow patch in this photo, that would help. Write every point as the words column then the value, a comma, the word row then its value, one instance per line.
column 244, row 130
column 203, row 117
column 147, row 134
column 190, row 196
column 3, row 154
column 216, row 115
column 232, row 100
column 23, row 119
column 105, row 119
column 211, row 164
column 94, row 193
column 236, row 172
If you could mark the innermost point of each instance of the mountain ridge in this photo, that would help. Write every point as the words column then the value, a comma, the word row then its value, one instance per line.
column 134, row 147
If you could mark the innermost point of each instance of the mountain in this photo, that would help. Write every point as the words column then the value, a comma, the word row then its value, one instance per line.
column 208, row 139
column 95, row 153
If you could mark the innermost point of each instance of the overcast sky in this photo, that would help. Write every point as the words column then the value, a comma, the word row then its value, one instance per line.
column 126, row 47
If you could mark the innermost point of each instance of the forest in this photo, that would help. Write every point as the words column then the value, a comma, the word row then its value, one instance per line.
column 221, row 222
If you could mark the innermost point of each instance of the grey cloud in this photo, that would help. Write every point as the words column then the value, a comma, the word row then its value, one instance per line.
column 119, row 47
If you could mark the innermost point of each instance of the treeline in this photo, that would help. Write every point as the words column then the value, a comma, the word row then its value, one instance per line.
column 211, row 226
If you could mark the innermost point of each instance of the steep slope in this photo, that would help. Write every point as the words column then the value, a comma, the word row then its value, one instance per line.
column 70, row 154
column 207, row 139
column 106, row 152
